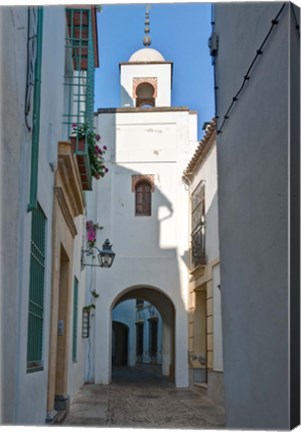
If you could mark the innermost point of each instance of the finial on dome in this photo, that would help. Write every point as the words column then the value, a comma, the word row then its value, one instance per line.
column 147, row 39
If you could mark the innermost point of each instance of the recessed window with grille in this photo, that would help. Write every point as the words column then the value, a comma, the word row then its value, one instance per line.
column 75, row 316
column 36, row 291
column 79, row 83
column 198, row 225
column 143, row 199
column 80, row 74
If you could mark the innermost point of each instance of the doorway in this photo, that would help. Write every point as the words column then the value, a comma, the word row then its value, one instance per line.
column 58, row 399
column 120, row 332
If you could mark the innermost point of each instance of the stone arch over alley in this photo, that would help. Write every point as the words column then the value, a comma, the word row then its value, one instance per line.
column 174, row 330
column 166, row 309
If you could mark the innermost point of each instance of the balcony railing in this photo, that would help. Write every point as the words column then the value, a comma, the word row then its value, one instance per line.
column 79, row 80
column 198, row 251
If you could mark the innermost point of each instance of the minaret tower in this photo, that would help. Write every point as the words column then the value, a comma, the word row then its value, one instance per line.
column 146, row 78
column 145, row 208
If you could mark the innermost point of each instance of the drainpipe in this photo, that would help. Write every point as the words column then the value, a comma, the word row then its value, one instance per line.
column 36, row 116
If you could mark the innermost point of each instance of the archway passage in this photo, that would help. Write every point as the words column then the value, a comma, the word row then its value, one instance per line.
column 151, row 329
column 120, row 333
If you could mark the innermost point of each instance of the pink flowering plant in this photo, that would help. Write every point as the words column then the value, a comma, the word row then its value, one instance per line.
column 92, row 228
column 95, row 150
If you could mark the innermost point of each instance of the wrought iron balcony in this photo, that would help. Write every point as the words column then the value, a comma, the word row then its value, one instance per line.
column 82, row 58
column 198, row 251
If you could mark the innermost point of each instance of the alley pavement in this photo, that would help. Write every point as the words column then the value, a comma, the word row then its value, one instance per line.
column 141, row 398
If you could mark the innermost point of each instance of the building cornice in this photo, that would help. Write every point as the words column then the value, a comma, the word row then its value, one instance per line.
column 151, row 63
column 68, row 179
column 142, row 110
column 145, row 63
column 65, row 210
column 201, row 152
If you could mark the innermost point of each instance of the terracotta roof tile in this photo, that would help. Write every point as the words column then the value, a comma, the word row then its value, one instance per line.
column 202, row 150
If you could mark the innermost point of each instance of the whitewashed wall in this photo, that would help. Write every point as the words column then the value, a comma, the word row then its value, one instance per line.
column 161, row 71
column 253, row 161
column 208, row 173
column 32, row 388
column 25, row 394
column 15, row 142
column 152, row 250
column 76, row 370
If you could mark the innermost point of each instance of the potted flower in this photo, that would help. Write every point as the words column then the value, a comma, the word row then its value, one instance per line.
column 83, row 135
column 92, row 228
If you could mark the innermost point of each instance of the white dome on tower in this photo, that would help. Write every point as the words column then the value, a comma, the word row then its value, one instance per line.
column 146, row 55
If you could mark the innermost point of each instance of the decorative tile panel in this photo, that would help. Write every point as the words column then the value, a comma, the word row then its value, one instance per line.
column 153, row 81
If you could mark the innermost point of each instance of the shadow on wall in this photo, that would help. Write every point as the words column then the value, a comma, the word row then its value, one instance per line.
column 126, row 98
column 134, row 236
column 199, row 355
column 146, row 263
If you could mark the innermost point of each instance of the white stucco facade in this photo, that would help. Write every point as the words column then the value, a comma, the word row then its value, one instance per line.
column 256, row 154
column 207, row 173
column 151, row 251
column 24, row 392
column 205, row 329
column 28, row 387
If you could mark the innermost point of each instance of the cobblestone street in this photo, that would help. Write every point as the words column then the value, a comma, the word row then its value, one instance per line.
column 141, row 398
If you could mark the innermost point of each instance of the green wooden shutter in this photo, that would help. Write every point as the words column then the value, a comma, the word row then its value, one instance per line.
column 36, row 290
column 75, row 315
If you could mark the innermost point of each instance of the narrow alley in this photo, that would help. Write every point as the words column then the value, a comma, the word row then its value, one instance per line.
column 140, row 397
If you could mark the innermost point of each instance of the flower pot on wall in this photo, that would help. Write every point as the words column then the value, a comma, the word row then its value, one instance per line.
column 79, row 148
column 78, row 144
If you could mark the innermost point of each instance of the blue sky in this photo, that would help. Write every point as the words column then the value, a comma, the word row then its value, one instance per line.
column 179, row 31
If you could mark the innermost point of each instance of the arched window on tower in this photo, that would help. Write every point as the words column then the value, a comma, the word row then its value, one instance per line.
column 145, row 95
column 143, row 199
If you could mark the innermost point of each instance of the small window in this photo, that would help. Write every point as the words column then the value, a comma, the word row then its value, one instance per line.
column 143, row 199
column 198, row 225
column 145, row 95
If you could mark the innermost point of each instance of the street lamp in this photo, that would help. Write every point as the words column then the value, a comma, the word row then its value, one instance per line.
column 105, row 256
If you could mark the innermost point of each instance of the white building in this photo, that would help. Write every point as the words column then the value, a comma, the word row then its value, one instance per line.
column 144, row 208
column 205, row 327
column 42, row 287
column 258, row 157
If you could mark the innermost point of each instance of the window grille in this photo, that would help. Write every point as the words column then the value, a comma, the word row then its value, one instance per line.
column 36, row 291
column 75, row 318
column 198, row 225
column 34, row 73
column 79, row 79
